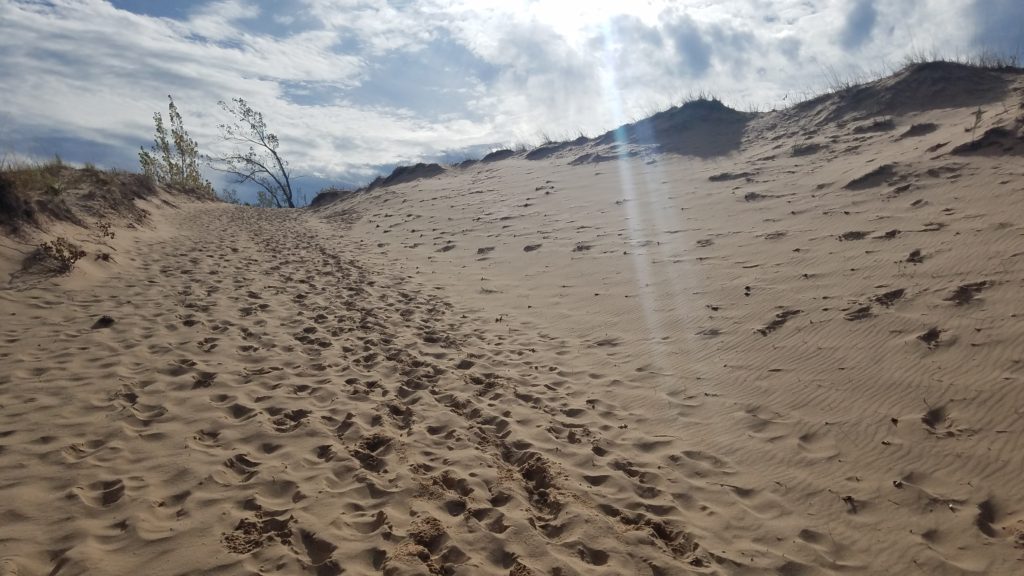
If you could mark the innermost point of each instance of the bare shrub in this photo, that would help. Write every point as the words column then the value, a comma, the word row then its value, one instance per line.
column 106, row 230
column 62, row 253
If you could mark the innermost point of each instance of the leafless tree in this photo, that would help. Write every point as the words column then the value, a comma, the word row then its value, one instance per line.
column 255, row 157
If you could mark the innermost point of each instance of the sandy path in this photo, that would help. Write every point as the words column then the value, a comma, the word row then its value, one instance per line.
column 284, row 409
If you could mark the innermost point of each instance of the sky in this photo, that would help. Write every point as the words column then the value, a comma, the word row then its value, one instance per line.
column 356, row 87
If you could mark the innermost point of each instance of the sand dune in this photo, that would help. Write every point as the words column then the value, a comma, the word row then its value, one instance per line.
column 795, row 351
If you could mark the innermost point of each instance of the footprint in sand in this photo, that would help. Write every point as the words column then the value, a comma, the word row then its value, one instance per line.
column 101, row 494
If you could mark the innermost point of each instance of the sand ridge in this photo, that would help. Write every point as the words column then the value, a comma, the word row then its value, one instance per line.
column 803, row 312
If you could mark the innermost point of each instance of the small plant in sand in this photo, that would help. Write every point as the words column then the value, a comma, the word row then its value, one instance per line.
column 977, row 122
column 229, row 196
column 105, row 230
column 265, row 200
column 56, row 188
column 62, row 253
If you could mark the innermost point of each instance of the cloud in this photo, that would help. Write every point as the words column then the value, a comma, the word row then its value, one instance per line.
column 380, row 26
column 860, row 22
column 999, row 26
column 789, row 47
column 692, row 48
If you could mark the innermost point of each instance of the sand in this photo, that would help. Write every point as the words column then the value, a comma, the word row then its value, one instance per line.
column 802, row 355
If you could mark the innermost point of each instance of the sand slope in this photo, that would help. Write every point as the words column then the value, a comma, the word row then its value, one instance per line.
column 800, row 357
